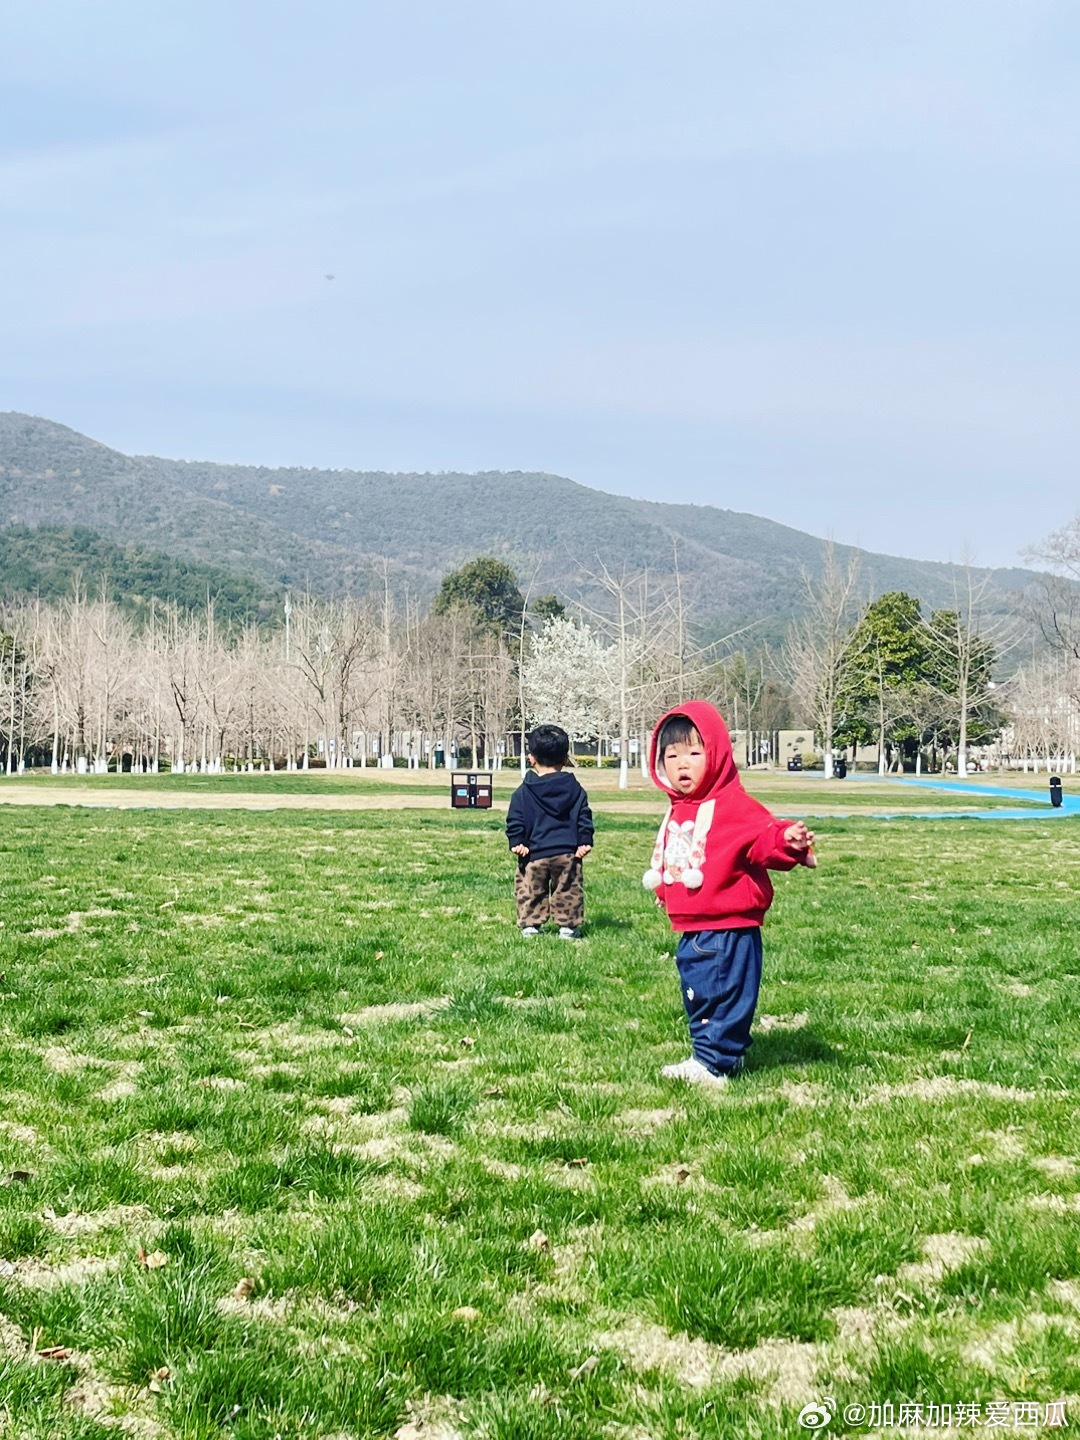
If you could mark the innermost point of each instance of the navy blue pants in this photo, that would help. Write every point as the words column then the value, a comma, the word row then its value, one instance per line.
column 720, row 973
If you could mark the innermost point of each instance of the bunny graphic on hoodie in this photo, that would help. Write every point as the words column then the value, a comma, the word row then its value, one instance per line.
column 710, row 865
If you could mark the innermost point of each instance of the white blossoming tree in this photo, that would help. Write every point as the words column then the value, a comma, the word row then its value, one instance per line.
column 565, row 679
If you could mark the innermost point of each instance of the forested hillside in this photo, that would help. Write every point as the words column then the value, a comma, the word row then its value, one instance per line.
column 50, row 475
column 46, row 561
column 346, row 531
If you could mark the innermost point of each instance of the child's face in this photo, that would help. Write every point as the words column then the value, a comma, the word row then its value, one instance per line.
column 684, row 763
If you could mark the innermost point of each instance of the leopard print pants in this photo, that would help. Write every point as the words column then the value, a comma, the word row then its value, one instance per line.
column 552, row 884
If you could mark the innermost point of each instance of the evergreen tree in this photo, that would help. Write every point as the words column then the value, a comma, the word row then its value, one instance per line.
column 547, row 607
column 881, row 693
column 490, row 588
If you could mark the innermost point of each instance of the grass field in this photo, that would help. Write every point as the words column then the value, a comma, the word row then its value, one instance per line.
column 299, row 1138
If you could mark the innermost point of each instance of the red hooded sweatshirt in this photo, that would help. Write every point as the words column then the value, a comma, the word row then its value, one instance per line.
column 715, row 845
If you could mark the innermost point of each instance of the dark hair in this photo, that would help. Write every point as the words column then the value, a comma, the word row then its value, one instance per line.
column 676, row 730
column 549, row 744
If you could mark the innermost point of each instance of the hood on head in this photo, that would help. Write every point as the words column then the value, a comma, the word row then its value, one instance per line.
column 720, row 767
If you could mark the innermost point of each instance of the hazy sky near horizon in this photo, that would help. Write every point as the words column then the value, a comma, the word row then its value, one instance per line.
column 813, row 261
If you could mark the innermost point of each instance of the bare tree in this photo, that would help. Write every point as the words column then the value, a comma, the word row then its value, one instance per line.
column 627, row 619
column 819, row 647
column 1056, row 601
column 45, row 628
column 1044, row 720
column 644, row 666
column 182, row 659
column 523, row 637
column 430, row 680
column 968, row 645
column 496, row 694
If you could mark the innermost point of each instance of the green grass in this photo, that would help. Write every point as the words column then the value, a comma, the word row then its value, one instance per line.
column 311, row 1052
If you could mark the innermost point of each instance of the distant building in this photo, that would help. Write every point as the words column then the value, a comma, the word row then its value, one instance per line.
column 771, row 747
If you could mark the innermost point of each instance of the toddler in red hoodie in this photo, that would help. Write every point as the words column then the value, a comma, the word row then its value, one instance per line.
column 710, row 872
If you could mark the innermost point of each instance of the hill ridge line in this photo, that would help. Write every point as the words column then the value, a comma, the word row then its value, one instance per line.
column 332, row 529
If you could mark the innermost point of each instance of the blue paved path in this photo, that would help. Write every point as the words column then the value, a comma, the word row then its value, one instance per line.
column 967, row 787
column 1070, row 804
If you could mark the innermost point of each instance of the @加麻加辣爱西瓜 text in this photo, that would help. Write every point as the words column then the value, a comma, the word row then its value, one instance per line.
column 988, row 1415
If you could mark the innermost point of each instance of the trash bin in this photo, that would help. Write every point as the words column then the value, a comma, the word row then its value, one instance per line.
column 840, row 769
column 1055, row 791
column 470, row 792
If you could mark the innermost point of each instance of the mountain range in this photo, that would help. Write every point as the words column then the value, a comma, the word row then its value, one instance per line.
column 353, row 530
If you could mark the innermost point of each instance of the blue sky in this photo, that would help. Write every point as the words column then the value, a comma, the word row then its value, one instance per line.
column 813, row 261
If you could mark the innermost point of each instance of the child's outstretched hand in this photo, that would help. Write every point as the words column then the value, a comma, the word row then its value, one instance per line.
column 798, row 837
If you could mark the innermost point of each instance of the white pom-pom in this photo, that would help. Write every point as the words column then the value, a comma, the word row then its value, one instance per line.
column 669, row 878
column 652, row 879
column 693, row 879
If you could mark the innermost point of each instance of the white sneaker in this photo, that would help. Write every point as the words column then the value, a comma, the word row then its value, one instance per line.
column 568, row 932
column 693, row 1073
column 530, row 930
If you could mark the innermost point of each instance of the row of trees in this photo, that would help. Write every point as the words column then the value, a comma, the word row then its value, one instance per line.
column 344, row 681
column 883, row 674
column 1045, row 695
column 351, row 681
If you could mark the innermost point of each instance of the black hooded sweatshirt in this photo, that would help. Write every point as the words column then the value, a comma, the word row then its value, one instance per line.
column 550, row 814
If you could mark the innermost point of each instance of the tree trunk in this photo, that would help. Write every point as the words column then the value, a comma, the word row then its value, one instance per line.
column 827, row 744
column 11, row 723
column 624, row 731
column 55, row 766
column 961, row 738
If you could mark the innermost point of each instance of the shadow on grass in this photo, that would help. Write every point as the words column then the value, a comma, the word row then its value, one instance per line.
column 791, row 1047
column 594, row 923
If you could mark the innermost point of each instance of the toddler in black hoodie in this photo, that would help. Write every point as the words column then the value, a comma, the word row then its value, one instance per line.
column 549, row 828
